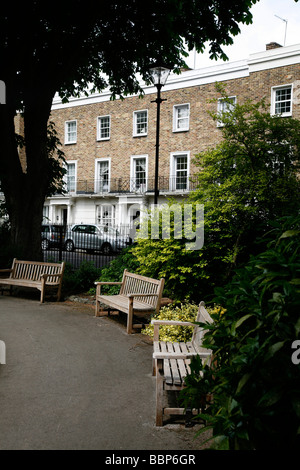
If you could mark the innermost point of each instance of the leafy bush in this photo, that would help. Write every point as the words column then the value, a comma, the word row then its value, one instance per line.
column 183, row 270
column 81, row 279
column 184, row 312
column 255, row 384
column 113, row 272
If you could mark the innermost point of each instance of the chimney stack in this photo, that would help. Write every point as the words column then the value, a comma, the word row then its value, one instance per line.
column 272, row 45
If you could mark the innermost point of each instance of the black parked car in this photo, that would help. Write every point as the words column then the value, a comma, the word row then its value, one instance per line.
column 51, row 236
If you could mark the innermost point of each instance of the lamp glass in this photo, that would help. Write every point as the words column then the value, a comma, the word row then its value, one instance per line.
column 159, row 75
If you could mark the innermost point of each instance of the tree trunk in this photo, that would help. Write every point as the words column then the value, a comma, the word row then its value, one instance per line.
column 25, row 214
column 25, row 187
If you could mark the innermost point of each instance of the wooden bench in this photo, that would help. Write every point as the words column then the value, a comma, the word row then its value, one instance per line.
column 171, row 362
column 34, row 274
column 138, row 295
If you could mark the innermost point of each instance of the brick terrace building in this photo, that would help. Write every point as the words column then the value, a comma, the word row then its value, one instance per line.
column 110, row 145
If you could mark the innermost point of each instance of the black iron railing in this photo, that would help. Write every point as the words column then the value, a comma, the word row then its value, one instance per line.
column 132, row 185
column 76, row 243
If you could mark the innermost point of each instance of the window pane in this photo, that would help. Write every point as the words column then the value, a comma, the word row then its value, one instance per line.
column 141, row 122
column 104, row 127
column 103, row 176
column 105, row 214
column 224, row 106
column 140, row 172
column 71, row 131
column 182, row 117
column 283, row 100
column 71, row 176
column 181, row 172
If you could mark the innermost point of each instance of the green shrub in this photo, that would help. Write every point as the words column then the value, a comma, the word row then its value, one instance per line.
column 113, row 272
column 184, row 312
column 255, row 384
column 76, row 281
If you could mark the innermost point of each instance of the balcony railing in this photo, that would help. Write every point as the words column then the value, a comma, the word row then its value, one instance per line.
column 132, row 185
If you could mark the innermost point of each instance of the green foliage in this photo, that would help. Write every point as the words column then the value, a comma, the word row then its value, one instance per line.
column 182, row 269
column 79, row 280
column 246, row 182
column 113, row 272
column 56, row 159
column 255, row 384
column 184, row 312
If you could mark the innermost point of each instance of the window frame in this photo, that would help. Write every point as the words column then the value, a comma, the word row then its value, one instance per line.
column 219, row 110
column 67, row 141
column 66, row 176
column 101, row 219
column 176, row 128
column 97, row 179
column 133, row 178
column 276, row 88
column 99, row 118
column 135, row 114
column 173, row 170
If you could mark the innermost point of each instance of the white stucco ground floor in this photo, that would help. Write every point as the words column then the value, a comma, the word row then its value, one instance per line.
column 118, row 211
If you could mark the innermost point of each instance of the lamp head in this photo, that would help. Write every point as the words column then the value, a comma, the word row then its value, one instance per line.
column 159, row 75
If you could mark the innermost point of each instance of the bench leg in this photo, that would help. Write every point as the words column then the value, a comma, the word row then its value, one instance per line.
column 59, row 293
column 130, row 316
column 97, row 308
column 43, row 291
column 154, row 367
column 99, row 311
column 2, row 353
column 159, row 392
column 188, row 418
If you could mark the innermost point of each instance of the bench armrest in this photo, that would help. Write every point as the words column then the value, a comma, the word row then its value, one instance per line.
column 106, row 283
column 102, row 283
column 141, row 295
column 178, row 355
column 157, row 323
column 46, row 276
column 7, row 270
column 172, row 322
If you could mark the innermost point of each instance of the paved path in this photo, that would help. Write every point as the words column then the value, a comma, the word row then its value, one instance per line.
column 76, row 382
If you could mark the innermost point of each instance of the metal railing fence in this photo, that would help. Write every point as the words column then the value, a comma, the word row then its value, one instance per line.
column 87, row 242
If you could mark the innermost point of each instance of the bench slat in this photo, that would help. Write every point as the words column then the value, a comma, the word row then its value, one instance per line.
column 181, row 363
column 167, row 366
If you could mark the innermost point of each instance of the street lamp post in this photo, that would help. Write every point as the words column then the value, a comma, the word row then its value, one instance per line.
column 159, row 76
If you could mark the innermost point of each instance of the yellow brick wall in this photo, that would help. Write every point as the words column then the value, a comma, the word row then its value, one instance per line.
column 203, row 132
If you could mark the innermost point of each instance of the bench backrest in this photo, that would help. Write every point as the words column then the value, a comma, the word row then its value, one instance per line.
column 199, row 332
column 137, row 284
column 32, row 270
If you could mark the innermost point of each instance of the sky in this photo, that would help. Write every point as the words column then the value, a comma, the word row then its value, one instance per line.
column 265, row 28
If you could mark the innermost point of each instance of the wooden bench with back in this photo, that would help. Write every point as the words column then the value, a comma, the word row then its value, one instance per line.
column 171, row 361
column 35, row 274
column 138, row 296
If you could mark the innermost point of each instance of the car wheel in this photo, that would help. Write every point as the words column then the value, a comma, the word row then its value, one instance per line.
column 69, row 245
column 106, row 248
column 45, row 244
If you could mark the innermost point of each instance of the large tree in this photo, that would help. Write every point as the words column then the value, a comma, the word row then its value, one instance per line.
column 62, row 47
